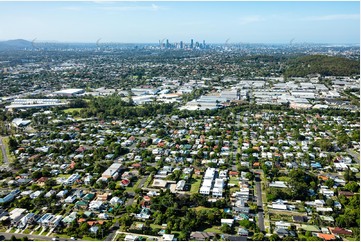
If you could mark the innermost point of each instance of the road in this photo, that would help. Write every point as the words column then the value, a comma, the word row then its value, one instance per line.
column 5, row 156
column 30, row 236
column 142, row 235
column 354, row 155
column 260, row 204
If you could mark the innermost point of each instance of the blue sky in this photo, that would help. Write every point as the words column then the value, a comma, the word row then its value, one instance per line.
column 214, row 22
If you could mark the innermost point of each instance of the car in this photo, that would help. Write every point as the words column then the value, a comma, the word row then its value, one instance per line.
column 72, row 238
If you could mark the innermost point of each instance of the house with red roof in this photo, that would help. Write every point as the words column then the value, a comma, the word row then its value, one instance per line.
column 340, row 231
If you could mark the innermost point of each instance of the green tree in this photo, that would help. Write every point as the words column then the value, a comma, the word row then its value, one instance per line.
column 226, row 229
column 258, row 236
column 352, row 186
column 274, row 237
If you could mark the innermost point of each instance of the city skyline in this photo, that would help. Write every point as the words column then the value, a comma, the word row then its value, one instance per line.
column 150, row 22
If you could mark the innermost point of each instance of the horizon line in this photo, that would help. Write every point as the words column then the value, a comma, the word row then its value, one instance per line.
column 157, row 43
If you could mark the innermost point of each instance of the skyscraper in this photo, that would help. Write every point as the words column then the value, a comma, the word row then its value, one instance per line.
column 181, row 44
column 192, row 44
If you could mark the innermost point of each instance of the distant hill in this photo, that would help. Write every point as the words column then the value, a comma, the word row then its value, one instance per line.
column 321, row 64
column 15, row 44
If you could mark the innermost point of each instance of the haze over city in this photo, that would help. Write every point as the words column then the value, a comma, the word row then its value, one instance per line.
column 215, row 22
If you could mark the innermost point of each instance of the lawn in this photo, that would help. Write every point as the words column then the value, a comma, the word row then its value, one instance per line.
column 195, row 186
column 155, row 226
column 283, row 178
column 1, row 156
column 200, row 208
column 351, row 238
column 148, row 181
column 71, row 110
column 64, row 175
column 214, row 229
column 64, row 236
column 88, row 238
column 233, row 180
column 132, row 188
column 280, row 217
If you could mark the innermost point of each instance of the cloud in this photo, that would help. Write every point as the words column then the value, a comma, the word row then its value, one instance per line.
column 333, row 17
column 250, row 19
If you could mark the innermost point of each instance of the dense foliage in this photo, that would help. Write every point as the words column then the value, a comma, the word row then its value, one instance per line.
column 321, row 64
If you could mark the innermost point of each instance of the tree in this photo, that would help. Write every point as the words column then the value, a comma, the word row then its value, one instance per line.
column 274, row 237
column 13, row 144
column 258, row 237
column 226, row 229
column 246, row 223
column 182, row 236
column 324, row 144
column 352, row 186
column 112, row 185
column 330, row 183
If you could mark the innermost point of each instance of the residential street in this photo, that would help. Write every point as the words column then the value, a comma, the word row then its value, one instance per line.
column 260, row 204
column 30, row 236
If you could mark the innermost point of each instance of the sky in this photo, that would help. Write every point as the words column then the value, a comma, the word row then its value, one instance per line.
column 214, row 22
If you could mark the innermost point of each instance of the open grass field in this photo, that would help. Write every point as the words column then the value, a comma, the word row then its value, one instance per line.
column 214, row 229
column 195, row 185
column 71, row 110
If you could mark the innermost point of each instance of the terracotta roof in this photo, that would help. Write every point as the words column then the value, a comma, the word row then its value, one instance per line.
column 91, row 223
column 324, row 178
column 233, row 173
column 326, row 236
column 81, row 220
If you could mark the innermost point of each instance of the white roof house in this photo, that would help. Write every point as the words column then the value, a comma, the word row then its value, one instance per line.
column 207, row 183
column 229, row 222
column 278, row 184
column 180, row 185
column 205, row 190
column 62, row 193
column 217, row 192
column 115, row 200
column 219, row 183
column 210, row 172
column 112, row 171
